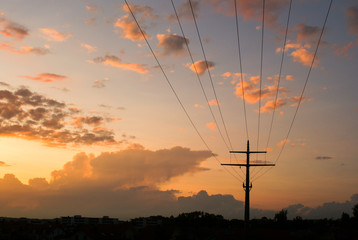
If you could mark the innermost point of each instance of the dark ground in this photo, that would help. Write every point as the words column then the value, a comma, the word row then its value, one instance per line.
column 193, row 226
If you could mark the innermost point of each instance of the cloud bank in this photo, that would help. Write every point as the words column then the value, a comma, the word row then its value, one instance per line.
column 29, row 115
column 124, row 184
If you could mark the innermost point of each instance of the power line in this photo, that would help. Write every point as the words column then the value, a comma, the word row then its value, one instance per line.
column 199, row 79
column 303, row 89
column 173, row 90
column 241, row 73
column 209, row 73
column 279, row 80
column 261, row 62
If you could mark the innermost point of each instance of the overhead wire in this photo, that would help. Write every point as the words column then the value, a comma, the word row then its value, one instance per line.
column 261, row 64
column 199, row 80
column 173, row 90
column 209, row 73
column 278, row 81
column 241, row 71
column 260, row 78
column 303, row 89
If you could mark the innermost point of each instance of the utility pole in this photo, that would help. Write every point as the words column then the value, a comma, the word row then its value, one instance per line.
column 247, row 185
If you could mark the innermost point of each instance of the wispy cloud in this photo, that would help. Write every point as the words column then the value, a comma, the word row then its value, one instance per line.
column 323, row 157
column 3, row 164
column 45, row 77
column 11, row 29
column 199, row 106
column 54, row 35
column 100, row 83
column 24, row 49
column 117, row 62
column 89, row 47
column 344, row 50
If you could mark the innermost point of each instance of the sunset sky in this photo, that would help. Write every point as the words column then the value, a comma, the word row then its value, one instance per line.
column 90, row 125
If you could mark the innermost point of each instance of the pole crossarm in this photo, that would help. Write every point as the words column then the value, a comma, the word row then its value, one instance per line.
column 250, row 165
column 248, row 152
column 247, row 185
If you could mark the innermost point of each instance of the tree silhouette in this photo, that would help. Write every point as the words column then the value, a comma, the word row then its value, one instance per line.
column 281, row 216
column 355, row 211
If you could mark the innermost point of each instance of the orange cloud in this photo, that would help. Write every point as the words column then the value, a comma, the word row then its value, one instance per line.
column 24, row 49
column 211, row 126
column 252, row 91
column 289, row 78
column 199, row 106
column 130, row 29
column 201, row 66
column 45, row 77
column 282, row 142
column 28, row 115
column 213, row 102
column 53, row 35
column 89, row 47
column 12, row 29
column 303, row 56
column 3, row 164
column 270, row 105
column 116, row 62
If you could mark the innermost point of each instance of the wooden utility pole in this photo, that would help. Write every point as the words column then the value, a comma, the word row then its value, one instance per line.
column 247, row 185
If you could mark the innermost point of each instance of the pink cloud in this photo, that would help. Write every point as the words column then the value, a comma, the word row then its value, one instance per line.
column 211, row 126
column 89, row 47
column 117, row 62
column 344, row 51
column 54, row 35
column 45, row 77
column 251, row 10
column 213, row 102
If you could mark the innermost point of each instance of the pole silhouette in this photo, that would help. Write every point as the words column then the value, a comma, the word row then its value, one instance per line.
column 247, row 185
